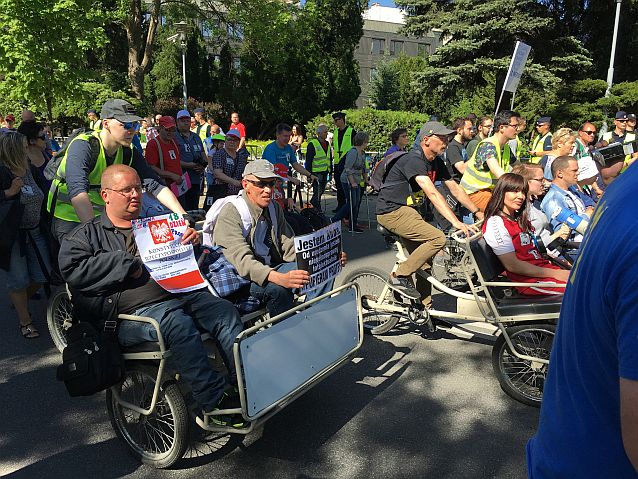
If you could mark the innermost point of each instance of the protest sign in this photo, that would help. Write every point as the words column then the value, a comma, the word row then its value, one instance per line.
column 183, row 187
column 319, row 253
column 171, row 264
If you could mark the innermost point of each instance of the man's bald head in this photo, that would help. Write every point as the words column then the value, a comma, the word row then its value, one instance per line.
column 28, row 115
column 112, row 174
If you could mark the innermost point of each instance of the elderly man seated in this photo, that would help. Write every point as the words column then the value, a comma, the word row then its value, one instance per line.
column 263, row 252
column 101, row 263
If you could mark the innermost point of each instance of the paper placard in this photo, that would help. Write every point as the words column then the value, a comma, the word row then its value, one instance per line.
column 319, row 253
column 171, row 264
column 179, row 190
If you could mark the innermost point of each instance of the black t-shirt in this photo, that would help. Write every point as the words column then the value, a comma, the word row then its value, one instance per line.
column 400, row 183
column 143, row 290
column 455, row 152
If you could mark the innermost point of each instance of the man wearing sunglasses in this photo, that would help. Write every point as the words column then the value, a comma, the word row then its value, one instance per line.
column 542, row 142
column 265, row 253
column 74, row 196
column 620, row 135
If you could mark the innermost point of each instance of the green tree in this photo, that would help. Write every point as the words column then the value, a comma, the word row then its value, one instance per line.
column 385, row 93
column 478, row 38
column 43, row 49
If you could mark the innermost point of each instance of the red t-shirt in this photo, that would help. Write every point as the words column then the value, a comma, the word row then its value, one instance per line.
column 170, row 156
column 240, row 127
column 504, row 235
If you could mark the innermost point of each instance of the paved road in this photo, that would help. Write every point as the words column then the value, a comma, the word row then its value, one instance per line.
column 408, row 406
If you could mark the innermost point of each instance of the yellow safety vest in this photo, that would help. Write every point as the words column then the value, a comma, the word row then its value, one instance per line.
column 64, row 209
column 340, row 150
column 321, row 160
column 201, row 131
column 473, row 179
column 538, row 141
column 95, row 125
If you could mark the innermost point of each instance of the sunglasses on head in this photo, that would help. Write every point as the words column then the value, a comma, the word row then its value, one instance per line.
column 263, row 183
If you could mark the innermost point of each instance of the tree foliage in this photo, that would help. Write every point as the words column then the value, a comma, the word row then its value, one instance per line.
column 43, row 47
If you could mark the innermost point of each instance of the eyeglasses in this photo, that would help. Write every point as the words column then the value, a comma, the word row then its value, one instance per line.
column 487, row 126
column 588, row 132
column 128, row 191
column 129, row 125
column 263, row 184
column 540, row 180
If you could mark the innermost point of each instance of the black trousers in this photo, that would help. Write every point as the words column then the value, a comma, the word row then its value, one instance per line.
column 341, row 195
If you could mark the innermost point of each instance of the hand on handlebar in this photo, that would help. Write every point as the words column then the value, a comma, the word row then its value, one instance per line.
column 468, row 230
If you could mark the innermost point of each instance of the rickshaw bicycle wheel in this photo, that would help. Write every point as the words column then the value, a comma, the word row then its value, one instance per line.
column 447, row 264
column 161, row 438
column 521, row 379
column 372, row 282
column 59, row 311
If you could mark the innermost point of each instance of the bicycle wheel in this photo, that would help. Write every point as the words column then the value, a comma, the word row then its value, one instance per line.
column 161, row 438
column 447, row 266
column 372, row 283
column 59, row 311
column 521, row 379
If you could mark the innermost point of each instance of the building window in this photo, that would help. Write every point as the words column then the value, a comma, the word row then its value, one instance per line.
column 378, row 46
column 396, row 47
column 424, row 49
column 235, row 31
column 207, row 31
column 236, row 63
column 373, row 73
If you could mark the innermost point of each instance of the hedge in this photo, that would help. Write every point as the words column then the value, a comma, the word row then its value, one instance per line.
column 377, row 123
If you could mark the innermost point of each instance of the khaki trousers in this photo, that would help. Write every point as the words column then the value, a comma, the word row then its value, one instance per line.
column 422, row 240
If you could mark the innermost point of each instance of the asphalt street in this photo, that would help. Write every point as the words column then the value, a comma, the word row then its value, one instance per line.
column 410, row 405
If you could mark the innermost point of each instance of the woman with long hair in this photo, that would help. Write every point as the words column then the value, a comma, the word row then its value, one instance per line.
column 23, row 247
column 296, row 138
column 508, row 231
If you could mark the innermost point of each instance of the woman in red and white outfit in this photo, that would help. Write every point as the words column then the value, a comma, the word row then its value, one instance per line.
column 508, row 231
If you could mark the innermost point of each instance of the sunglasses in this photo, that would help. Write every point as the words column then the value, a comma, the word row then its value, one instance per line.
column 622, row 121
column 263, row 184
column 588, row 132
column 129, row 125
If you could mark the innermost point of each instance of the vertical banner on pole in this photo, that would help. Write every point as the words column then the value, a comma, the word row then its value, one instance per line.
column 515, row 71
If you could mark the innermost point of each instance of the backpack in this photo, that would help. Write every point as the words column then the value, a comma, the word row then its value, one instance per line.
column 382, row 169
column 241, row 206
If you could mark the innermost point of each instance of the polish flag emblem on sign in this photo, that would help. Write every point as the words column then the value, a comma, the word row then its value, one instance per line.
column 160, row 231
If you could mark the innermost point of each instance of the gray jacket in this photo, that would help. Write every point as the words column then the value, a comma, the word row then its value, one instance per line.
column 228, row 233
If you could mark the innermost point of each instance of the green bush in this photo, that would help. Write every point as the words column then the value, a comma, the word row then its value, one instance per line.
column 377, row 123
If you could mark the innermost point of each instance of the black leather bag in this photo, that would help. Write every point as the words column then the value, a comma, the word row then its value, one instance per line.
column 91, row 362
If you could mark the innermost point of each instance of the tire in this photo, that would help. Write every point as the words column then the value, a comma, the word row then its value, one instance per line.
column 160, row 439
column 521, row 379
column 59, row 310
column 371, row 282
column 447, row 266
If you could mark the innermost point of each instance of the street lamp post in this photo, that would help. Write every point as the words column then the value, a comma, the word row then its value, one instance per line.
column 610, row 72
column 183, row 28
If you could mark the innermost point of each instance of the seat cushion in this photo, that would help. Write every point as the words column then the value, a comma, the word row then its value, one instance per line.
column 519, row 305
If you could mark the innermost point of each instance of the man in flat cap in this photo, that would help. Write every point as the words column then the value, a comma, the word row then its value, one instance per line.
column 342, row 142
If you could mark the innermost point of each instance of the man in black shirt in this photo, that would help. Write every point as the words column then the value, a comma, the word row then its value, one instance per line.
column 100, row 262
column 413, row 175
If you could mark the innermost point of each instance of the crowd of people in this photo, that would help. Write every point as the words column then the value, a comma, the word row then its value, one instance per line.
column 536, row 197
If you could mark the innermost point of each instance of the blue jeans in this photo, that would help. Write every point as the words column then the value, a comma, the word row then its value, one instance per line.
column 182, row 320
column 354, row 195
column 279, row 299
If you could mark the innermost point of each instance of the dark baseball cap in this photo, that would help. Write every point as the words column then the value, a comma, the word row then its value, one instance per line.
column 631, row 116
column 544, row 119
column 121, row 110
column 198, row 110
column 621, row 115
column 435, row 128
column 338, row 114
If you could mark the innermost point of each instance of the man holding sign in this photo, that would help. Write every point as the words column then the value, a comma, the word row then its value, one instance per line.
column 101, row 263
column 263, row 251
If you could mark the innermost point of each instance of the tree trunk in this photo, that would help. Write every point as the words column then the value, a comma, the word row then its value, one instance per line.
column 140, row 42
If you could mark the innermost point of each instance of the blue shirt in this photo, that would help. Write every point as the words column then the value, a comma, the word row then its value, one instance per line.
column 596, row 343
column 190, row 150
column 556, row 199
column 277, row 155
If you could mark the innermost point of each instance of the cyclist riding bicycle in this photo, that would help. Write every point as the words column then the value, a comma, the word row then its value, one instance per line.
column 74, row 196
column 412, row 175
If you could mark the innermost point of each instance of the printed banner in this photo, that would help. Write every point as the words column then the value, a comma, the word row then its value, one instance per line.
column 171, row 264
column 179, row 190
column 319, row 253
column 517, row 65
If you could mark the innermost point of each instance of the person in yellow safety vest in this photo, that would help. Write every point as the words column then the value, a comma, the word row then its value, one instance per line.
column 542, row 141
column 74, row 196
column 341, row 144
column 319, row 163
column 203, row 128
column 94, row 120
column 620, row 135
column 490, row 160
column 517, row 147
